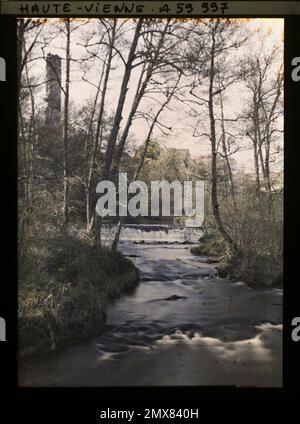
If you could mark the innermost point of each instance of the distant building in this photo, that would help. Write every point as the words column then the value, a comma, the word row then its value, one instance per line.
column 53, row 98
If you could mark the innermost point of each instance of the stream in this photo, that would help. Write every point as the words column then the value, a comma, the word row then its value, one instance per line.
column 182, row 326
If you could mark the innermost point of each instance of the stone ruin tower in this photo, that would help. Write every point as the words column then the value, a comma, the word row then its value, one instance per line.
column 53, row 98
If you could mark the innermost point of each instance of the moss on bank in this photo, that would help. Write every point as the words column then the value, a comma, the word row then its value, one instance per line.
column 64, row 289
column 210, row 245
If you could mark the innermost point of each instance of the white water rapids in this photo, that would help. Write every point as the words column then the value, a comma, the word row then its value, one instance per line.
column 153, row 234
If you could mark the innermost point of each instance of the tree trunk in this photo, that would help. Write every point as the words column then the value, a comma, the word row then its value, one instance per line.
column 123, row 92
column 90, row 207
column 224, row 146
column 214, row 177
column 66, row 129
column 116, row 125
column 138, row 97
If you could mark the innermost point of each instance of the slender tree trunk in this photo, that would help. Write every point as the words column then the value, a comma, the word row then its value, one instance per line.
column 138, row 97
column 21, row 25
column 257, row 173
column 95, row 149
column 140, row 91
column 116, row 125
column 256, row 145
column 66, row 128
column 119, row 111
column 213, row 139
column 146, row 144
column 224, row 146
column 29, row 147
column 90, row 139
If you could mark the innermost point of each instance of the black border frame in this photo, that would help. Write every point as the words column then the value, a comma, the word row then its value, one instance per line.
column 98, row 398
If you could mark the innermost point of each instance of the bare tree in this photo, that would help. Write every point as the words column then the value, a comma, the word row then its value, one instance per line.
column 66, row 126
column 215, row 39
column 111, row 28
column 147, row 52
column 265, row 84
column 26, row 29
column 169, row 95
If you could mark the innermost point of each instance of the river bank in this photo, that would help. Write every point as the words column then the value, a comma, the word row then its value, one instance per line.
column 182, row 325
column 249, row 265
column 65, row 288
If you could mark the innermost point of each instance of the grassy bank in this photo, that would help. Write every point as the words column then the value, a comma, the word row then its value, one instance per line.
column 64, row 289
column 210, row 245
column 253, row 265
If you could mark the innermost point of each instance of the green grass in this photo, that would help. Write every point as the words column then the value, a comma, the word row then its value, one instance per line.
column 253, row 266
column 64, row 289
column 210, row 245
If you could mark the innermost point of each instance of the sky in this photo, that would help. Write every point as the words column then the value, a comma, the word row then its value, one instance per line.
column 183, row 125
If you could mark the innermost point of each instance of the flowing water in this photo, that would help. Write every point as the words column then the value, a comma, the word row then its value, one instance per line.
column 154, row 234
column 181, row 326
